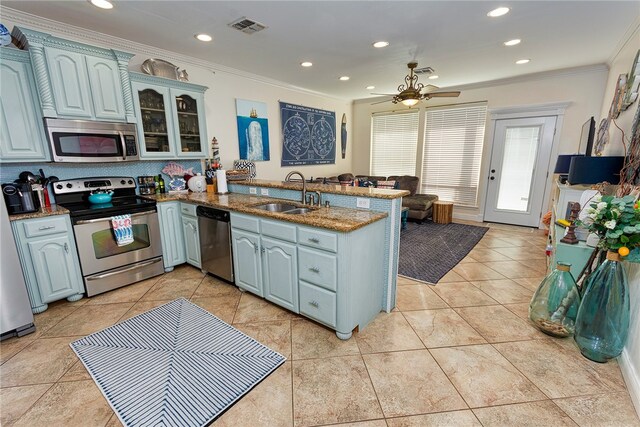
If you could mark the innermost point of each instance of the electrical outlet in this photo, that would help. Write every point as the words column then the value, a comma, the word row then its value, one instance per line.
column 264, row 191
column 362, row 203
column 253, row 190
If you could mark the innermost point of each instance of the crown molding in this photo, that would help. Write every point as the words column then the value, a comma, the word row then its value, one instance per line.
column 82, row 35
column 632, row 32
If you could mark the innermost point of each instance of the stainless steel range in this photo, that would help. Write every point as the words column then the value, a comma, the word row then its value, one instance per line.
column 105, row 265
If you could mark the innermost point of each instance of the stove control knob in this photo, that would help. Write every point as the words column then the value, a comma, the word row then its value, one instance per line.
column 59, row 186
column 69, row 185
column 130, row 182
column 122, row 182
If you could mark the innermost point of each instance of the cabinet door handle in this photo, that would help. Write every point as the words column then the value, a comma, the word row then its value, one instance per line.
column 314, row 304
column 255, row 247
column 47, row 227
column 314, row 240
column 66, row 248
column 262, row 249
column 314, row 269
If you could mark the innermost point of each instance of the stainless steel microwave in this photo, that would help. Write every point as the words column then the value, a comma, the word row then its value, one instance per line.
column 90, row 141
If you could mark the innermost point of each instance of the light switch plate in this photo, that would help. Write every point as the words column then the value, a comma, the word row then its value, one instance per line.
column 264, row 191
column 253, row 190
column 362, row 203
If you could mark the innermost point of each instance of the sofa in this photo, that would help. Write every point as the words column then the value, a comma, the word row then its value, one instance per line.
column 420, row 205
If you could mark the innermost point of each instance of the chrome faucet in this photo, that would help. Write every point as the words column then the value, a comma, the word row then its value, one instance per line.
column 304, row 185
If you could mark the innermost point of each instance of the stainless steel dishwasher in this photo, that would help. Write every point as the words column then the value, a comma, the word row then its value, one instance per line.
column 215, row 242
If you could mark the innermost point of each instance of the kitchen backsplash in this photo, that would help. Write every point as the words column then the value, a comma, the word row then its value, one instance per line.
column 10, row 171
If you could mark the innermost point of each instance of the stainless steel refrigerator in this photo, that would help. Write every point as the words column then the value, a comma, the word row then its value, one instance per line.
column 15, row 310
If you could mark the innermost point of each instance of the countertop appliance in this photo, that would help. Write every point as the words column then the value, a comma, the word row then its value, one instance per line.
column 105, row 265
column 215, row 242
column 20, row 198
column 15, row 310
column 89, row 141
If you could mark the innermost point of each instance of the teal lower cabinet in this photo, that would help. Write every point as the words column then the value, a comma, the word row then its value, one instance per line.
column 191, row 234
column 336, row 279
column 173, row 250
column 49, row 259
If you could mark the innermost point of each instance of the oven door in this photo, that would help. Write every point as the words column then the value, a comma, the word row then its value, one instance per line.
column 99, row 251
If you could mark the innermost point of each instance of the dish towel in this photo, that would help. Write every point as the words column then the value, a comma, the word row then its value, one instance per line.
column 121, row 225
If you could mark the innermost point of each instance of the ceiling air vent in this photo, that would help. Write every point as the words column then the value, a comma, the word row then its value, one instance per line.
column 247, row 26
column 423, row 70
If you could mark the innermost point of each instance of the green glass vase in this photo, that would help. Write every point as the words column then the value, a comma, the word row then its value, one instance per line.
column 554, row 306
column 602, row 324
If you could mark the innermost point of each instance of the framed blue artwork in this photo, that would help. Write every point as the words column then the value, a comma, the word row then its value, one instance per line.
column 308, row 135
column 253, row 130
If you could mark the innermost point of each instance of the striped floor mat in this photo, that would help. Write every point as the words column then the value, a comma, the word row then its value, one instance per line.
column 175, row 365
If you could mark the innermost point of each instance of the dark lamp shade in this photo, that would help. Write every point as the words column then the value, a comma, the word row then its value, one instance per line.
column 563, row 163
column 592, row 170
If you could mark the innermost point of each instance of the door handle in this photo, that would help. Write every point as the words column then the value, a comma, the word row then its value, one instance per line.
column 314, row 269
column 66, row 248
column 48, row 227
column 262, row 250
column 255, row 247
column 314, row 304
column 492, row 178
column 124, row 146
column 314, row 240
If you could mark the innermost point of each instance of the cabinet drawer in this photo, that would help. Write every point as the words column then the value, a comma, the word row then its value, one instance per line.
column 318, row 303
column 279, row 230
column 318, row 239
column 188, row 209
column 318, row 268
column 45, row 226
column 244, row 222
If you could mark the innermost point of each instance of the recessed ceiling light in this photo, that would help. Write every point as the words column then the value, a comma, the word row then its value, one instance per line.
column 381, row 44
column 204, row 37
column 498, row 12
column 433, row 77
column 522, row 61
column 102, row 4
column 344, row 78
column 306, row 64
column 370, row 87
column 512, row 42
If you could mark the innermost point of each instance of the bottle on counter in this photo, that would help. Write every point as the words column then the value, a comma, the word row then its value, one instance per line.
column 157, row 183
column 160, row 181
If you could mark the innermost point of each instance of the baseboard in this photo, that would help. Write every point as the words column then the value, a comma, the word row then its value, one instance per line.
column 468, row 217
column 631, row 378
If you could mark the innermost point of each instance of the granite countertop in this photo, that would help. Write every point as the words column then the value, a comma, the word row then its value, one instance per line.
column 377, row 193
column 40, row 213
column 333, row 218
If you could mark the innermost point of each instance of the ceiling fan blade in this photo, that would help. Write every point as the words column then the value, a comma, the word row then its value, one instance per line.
column 380, row 102
column 384, row 94
column 452, row 94
column 428, row 88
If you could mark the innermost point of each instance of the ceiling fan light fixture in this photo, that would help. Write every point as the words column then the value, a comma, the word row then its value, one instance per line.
column 410, row 102
column 381, row 44
column 102, row 4
column 512, row 42
column 499, row 11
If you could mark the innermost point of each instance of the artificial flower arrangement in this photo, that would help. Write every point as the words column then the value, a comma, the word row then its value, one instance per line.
column 617, row 222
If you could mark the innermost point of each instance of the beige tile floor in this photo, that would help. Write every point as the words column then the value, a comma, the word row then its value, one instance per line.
column 461, row 353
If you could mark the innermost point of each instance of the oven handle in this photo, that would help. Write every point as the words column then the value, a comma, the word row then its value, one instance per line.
column 91, row 221
column 124, row 270
column 124, row 145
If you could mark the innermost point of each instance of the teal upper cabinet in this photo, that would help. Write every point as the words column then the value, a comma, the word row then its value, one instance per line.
column 171, row 117
column 79, row 81
column 22, row 135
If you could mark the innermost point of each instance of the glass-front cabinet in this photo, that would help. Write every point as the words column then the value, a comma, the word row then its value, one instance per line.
column 171, row 119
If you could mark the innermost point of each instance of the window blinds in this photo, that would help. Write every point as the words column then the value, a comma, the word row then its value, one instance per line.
column 394, row 143
column 453, row 139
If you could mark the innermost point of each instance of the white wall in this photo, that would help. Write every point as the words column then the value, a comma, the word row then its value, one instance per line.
column 582, row 87
column 225, row 85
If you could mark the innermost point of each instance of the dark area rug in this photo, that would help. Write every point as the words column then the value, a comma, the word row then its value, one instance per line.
column 428, row 250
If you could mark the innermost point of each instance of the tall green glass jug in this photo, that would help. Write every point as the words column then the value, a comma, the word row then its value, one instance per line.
column 602, row 324
column 554, row 306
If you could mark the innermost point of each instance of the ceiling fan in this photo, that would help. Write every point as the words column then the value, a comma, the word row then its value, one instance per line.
column 410, row 91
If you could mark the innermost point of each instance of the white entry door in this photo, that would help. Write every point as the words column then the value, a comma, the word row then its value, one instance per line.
column 518, row 171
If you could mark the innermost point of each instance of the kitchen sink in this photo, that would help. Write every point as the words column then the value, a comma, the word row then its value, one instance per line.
column 276, row 207
column 285, row 208
column 298, row 211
